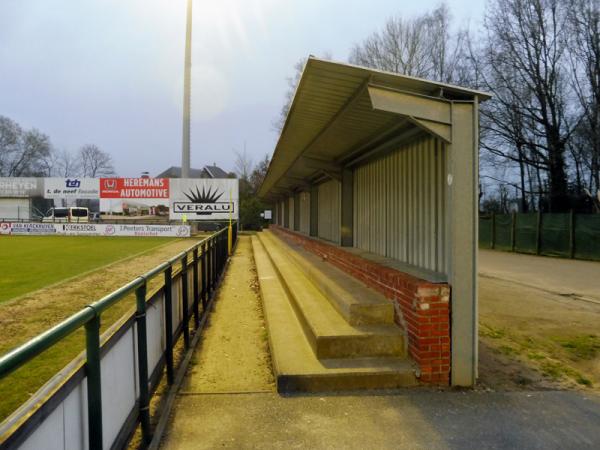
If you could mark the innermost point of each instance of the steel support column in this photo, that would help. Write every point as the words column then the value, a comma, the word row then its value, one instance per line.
column 314, row 210
column 286, row 212
column 462, row 180
column 347, row 222
column 297, row 211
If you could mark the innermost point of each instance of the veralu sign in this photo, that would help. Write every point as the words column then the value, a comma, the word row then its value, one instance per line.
column 204, row 199
column 73, row 187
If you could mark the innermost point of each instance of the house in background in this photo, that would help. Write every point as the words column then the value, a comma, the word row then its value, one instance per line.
column 206, row 172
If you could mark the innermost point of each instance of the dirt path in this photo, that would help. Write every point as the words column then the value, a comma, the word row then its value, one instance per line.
column 567, row 277
column 531, row 338
column 233, row 356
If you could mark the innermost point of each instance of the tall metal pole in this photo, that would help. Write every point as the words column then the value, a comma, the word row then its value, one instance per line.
column 187, row 82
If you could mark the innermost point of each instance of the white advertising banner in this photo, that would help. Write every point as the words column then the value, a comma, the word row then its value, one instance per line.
column 76, row 188
column 203, row 199
column 93, row 229
column 27, row 228
column 20, row 187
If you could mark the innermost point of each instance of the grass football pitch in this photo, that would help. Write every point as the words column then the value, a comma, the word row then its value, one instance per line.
column 28, row 263
column 35, row 296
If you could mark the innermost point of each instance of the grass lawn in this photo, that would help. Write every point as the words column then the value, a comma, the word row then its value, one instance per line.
column 28, row 263
column 58, row 258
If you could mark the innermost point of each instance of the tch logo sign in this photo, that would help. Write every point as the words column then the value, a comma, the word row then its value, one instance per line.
column 72, row 183
column 203, row 203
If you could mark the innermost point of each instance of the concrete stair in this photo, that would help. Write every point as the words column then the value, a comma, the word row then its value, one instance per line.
column 313, row 345
column 358, row 304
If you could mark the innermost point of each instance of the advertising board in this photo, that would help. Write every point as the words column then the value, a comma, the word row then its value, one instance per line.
column 91, row 229
column 28, row 228
column 74, row 188
column 203, row 199
column 20, row 187
column 190, row 199
column 135, row 196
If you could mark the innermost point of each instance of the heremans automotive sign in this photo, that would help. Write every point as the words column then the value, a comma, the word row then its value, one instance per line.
column 204, row 199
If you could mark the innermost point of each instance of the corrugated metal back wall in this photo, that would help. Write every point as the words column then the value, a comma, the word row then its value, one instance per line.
column 330, row 210
column 399, row 205
column 291, row 212
column 305, row 212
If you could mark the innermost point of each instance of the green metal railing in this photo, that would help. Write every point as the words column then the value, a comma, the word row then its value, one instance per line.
column 207, row 259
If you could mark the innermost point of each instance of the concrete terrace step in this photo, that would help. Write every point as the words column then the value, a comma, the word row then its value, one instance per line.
column 329, row 334
column 295, row 365
column 355, row 302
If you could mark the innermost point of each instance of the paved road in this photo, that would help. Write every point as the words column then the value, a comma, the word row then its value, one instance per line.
column 408, row 419
column 558, row 275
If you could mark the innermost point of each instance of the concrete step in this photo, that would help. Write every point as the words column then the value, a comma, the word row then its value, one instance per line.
column 357, row 303
column 329, row 334
column 295, row 366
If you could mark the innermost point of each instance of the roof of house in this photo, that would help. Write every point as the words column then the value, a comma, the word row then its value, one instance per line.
column 206, row 172
column 216, row 172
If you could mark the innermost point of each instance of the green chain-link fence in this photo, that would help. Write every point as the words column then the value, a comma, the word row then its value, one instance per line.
column 566, row 235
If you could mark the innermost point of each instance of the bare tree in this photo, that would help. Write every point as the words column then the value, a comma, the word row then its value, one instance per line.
column 422, row 46
column 584, row 44
column 243, row 164
column 292, row 82
column 23, row 152
column 522, row 62
column 259, row 173
column 95, row 162
column 67, row 164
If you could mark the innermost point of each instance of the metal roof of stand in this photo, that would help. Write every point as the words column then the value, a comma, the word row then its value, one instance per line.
column 342, row 114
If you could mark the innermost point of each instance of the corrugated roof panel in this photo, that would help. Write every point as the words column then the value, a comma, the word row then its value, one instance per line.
column 331, row 116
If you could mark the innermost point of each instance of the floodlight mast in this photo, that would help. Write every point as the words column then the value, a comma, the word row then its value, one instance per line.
column 187, row 81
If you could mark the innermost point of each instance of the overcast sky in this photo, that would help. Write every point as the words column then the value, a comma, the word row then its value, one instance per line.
column 109, row 72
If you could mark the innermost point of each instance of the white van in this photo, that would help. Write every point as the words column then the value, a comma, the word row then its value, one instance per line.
column 67, row 215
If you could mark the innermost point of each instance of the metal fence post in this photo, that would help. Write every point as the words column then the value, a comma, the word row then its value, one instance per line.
column 211, row 245
column 94, row 389
column 571, row 234
column 142, row 344
column 169, row 323
column 513, row 231
column 204, row 278
column 538, row 236
column 493, row 234
column 185, row 305
column 195, row 289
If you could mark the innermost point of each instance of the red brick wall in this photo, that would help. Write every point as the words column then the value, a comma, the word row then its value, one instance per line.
column 424, row 307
